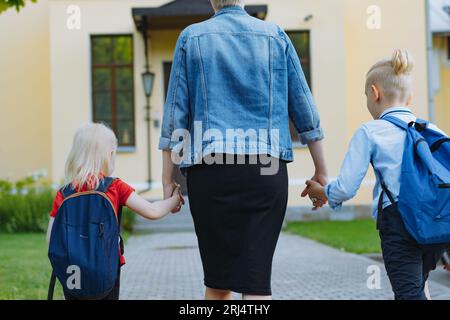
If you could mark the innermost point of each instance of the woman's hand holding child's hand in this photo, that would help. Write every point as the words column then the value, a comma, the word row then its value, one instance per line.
column 170, row 189
column 316, row 192
column 178, row 195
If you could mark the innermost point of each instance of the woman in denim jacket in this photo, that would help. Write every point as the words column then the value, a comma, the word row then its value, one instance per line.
column 235, row 83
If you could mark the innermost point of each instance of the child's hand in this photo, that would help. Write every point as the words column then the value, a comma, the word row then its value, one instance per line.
column 316, row 193
column 178, row 195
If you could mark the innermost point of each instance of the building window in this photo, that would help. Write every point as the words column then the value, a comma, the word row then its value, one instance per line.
column 301, row 42
column 167, row 68
column 113, row 85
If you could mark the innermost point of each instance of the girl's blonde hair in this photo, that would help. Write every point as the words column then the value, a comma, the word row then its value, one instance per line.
column 92, row 156
column 393, row 76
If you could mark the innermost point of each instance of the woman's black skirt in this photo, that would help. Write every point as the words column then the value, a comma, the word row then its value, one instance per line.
column 238, row 215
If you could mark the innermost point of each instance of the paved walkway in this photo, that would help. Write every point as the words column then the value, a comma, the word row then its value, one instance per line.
column 167, row 266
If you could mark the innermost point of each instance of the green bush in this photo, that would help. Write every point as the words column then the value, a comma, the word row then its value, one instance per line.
column 128, row 218
column 25, row 205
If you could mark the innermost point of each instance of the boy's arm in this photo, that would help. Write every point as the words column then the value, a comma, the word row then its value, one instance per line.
column 155, row 210
column 353, row 170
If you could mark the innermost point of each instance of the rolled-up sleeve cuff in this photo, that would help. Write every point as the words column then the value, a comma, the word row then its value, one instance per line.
column 165, row 144
column 336, row 206
column 311, row 136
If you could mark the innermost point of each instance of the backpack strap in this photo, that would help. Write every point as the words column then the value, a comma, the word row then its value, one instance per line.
column 67, row 190
column 104, row 186
column 51, row 286
column 384, row 190
column 420, row 124
column 383, row 185
column 105, row 183
column 396, row 121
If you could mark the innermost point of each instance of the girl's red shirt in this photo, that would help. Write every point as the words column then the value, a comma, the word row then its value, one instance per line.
column 118, row 192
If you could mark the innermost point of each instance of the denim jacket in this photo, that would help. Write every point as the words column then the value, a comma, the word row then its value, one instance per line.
column 234, row 84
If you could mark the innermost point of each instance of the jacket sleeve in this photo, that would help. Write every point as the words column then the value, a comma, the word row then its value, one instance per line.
column 302, row 109
column 176, row 108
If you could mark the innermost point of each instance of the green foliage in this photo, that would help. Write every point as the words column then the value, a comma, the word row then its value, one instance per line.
column 5, row 187
column 24, row 267
column 25, row 205
column 128, row 218
column 18, row 4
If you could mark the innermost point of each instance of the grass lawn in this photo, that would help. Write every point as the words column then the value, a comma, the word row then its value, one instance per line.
column 24, row 267
column 358, row 236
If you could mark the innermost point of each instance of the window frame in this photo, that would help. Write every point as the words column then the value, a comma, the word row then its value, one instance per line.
column 447, row 53
column 296, row 143
column 166, row 77
column 122, row 148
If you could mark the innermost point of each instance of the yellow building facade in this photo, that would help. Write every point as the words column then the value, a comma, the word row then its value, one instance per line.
column 51, row 77
column 441, row 45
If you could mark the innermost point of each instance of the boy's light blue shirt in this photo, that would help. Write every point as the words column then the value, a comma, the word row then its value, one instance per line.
column 378, row 141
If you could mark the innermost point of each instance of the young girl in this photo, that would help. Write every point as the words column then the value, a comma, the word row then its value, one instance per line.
column 92, row 158
column 389, row 91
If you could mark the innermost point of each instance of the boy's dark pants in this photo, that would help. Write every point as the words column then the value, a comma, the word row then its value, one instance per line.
column 408, row 263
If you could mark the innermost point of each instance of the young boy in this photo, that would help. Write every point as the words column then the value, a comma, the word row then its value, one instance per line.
column 389, row 92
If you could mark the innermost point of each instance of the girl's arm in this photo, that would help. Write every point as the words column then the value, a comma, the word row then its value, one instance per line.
column 49, row 229
column 155, row 210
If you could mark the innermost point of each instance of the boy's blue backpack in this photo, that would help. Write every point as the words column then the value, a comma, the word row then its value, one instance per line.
column 424, row 200
column 84, row 243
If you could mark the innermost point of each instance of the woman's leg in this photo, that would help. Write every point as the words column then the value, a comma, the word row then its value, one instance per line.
column 253, row 297
column 216, row 294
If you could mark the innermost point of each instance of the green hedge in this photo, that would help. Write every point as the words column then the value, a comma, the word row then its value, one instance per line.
column 128, row 218
column 26, row 204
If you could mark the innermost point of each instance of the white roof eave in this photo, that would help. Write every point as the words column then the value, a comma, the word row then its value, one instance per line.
column 439, row 18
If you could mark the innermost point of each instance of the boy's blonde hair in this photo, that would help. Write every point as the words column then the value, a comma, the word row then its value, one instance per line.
column 393, row 76
column 91, row 156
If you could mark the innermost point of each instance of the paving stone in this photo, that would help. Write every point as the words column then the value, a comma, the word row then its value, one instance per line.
column 167, row 266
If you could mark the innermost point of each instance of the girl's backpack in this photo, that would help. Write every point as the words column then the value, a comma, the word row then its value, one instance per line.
column 84, row 243
column 424, row 200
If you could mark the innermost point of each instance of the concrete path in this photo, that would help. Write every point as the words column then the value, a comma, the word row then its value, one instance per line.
column 167, row 266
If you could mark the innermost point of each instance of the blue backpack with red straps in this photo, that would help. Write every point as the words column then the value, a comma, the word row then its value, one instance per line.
column 424, row 200
column 84, row 243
